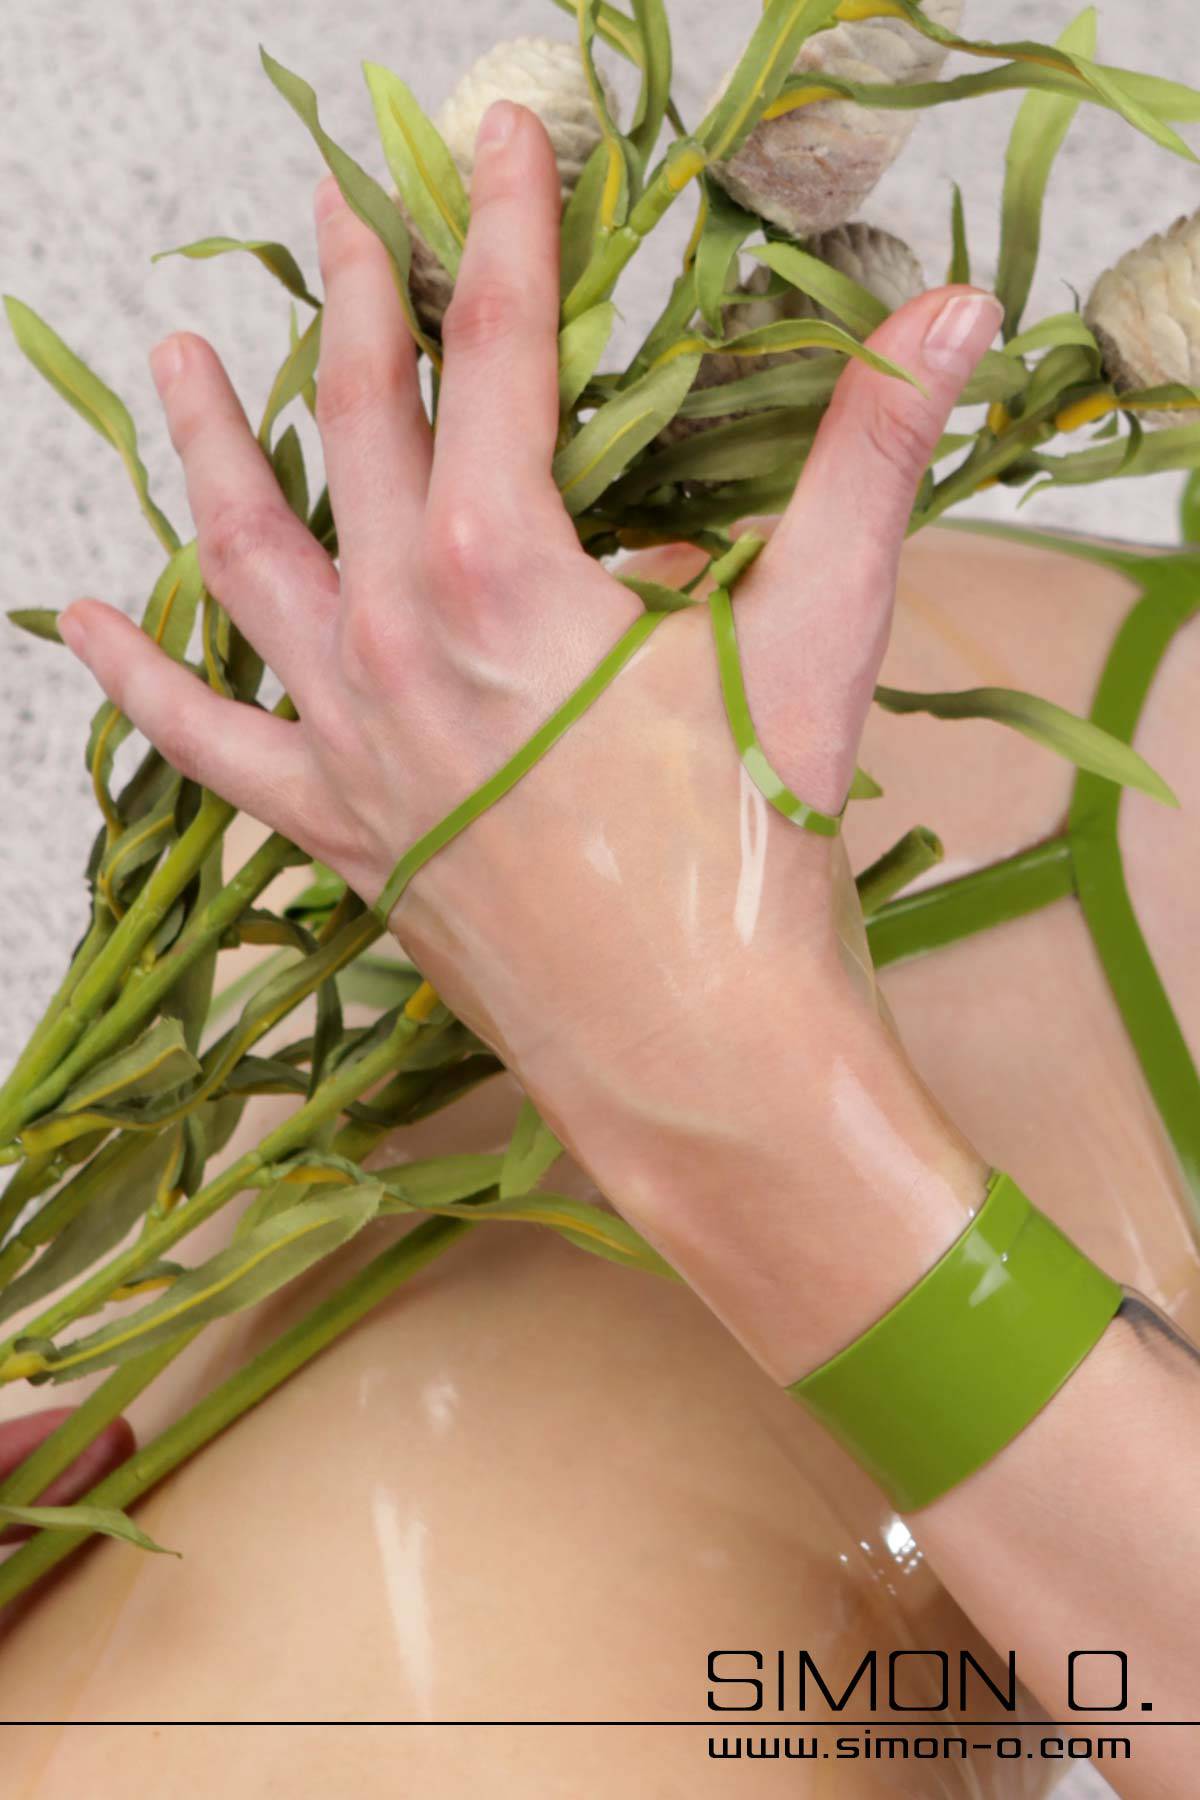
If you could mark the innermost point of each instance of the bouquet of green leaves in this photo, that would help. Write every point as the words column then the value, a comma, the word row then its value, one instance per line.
column 113, row 1120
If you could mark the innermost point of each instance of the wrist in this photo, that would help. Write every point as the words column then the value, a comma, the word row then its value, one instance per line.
column 811, row 1198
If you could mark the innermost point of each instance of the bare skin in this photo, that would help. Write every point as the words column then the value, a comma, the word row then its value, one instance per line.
column 439, row 644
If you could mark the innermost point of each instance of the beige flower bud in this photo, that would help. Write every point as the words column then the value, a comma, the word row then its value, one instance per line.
column 1145, row 314
column 541, row 73
column 810, row 169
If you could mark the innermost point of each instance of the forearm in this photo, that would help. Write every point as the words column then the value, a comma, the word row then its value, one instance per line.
column 1060, row 1542
column 1084, row 1534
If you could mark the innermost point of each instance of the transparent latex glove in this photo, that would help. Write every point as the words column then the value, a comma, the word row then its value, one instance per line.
column 676, row 973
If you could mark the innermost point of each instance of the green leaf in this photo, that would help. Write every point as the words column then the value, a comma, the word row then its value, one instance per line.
column 655, row 596
column 810, row 334
column 287, row 460
column 277, row 258
column 362, row 194
column 1109, row 86
column 421, row 166
column 726, row 228
column 277, row 1251
column 655, row 32
column 997, row 376
column 761, row 444
column 864, row 786
column 156, row 1062
column 809, row 381
column 588, row 1227
column 579, row 233
column 1051, row 334
column 295, row 377
column 960, row 254
column 1078, row 740
column 169, row 619
column 105, row 1519
column 531, row 1151
column 581, row 344
column 1037, row 136
column 92, row 400
column 622, row 162
column 1189, row 509
column 614, row 434
column 38, row 621
column 437, row 1181
column 761, row 72
column 614, row 26
column 847, row 299
column 91, row 1214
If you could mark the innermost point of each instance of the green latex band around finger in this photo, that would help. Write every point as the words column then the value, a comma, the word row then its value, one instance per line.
column 962, row 1364
column 754, row 760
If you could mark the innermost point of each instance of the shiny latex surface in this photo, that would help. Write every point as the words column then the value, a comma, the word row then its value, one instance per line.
column 534, row 1484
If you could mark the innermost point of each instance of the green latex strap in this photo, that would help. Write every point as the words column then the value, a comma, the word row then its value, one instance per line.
column 531, row 753
column 1084, row 861
column 963, row 1363
column 525, row 759
column 754, row 761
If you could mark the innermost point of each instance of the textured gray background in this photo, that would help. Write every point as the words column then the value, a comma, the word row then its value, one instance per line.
column 129, row 126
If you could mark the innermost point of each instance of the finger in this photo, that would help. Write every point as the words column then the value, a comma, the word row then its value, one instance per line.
column 107, row 1450
column 378, row 446
column 498, row 406
column 814, row 617
column 251, row 759
column 256, row 556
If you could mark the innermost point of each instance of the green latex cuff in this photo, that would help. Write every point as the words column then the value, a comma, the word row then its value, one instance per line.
column 969, row 1356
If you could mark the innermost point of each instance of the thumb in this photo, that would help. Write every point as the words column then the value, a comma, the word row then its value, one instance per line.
column 814, row 619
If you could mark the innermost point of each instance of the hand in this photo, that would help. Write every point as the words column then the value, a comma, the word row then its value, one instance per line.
column 675, row 972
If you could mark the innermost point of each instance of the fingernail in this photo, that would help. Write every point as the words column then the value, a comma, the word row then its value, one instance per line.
column 73, row 632
column 327, row 199
column 962, row 330
column 497, row 125
column 166, row 363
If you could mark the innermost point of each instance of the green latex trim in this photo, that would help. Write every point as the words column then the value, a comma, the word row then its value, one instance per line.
column 1170, row 597
column 754, row 759
column 961, row 1365
column 530, row 753
column 1086, row 860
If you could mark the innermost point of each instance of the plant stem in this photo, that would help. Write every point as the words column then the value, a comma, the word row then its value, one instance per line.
column 295, row 1133
column 56, row 1453
column 105, row 973
column 236, row 1396
column 917, row 851
column 141, row 997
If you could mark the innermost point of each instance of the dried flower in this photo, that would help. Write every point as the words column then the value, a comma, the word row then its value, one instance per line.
column 810, row 169
column 540, row 73
column 1145, row 314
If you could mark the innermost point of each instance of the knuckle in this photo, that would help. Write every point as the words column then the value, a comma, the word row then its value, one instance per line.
column 238, row 536
column 464, row 554
column 370, row 646
column 482, row 313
